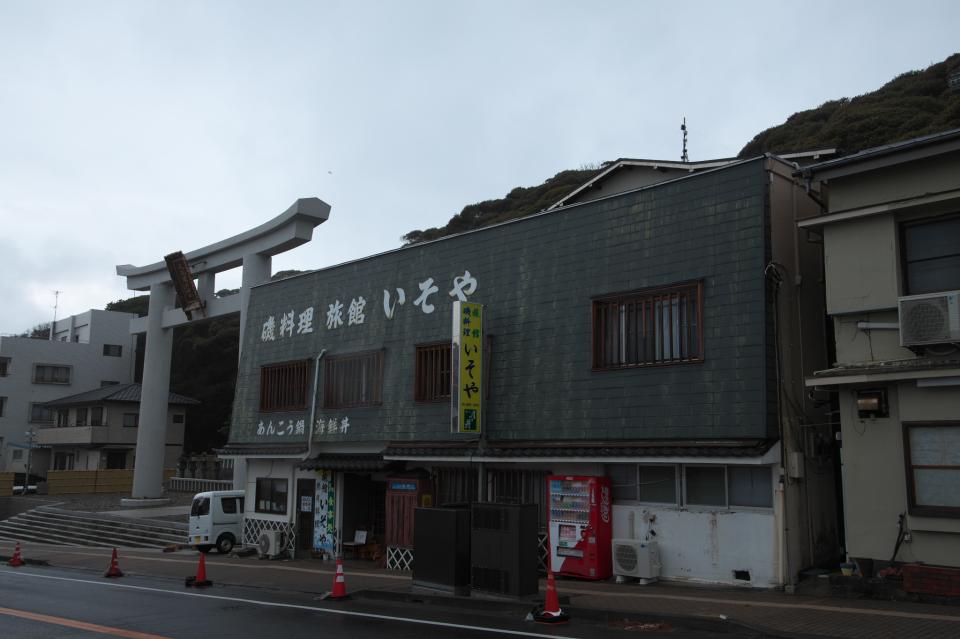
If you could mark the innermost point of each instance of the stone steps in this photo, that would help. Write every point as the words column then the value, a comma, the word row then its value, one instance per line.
column 63, row 527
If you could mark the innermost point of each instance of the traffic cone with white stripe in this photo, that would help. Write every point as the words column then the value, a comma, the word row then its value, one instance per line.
column 339, row 592
column 551, row 611
column 114, row 569
column 16, row 561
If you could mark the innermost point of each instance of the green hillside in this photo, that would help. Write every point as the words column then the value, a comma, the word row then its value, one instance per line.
column 913, row 104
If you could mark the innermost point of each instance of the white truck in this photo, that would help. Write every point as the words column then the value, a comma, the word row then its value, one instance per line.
column 216, row 520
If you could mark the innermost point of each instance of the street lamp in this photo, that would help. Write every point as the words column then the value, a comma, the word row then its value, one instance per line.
column 31, row 438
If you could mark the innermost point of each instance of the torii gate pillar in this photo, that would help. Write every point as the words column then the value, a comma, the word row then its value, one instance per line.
column 252, row 251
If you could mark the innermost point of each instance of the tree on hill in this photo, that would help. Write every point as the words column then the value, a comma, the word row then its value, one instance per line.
column 520, row 202
column 911, row 105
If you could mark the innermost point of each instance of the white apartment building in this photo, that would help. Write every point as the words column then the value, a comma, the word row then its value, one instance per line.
column 85, row 352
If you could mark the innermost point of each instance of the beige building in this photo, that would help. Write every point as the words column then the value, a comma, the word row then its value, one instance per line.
column 98, row 429
column 891, row 234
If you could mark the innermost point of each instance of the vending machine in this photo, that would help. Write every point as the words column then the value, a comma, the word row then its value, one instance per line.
column 580, row 526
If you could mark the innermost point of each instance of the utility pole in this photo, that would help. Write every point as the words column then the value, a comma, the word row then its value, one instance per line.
column 31, row 438
column 56, row 303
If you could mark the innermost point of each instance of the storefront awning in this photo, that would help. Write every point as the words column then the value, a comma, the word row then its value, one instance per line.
column 263, row 450
column 578, row 451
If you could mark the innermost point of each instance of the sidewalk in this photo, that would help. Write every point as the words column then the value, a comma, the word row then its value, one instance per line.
column 779, row 613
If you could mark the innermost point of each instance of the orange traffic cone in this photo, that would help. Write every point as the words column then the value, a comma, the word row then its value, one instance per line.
column 339, row 584
column 200, row 581
column 16, row 561
column 114, row 569
column 551, row 611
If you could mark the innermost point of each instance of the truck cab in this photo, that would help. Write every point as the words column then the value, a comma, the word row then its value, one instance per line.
column 216, row 520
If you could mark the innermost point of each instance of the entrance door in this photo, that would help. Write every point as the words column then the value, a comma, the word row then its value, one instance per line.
column 306, row 490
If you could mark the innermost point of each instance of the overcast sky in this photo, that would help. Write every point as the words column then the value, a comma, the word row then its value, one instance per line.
column 129, row 130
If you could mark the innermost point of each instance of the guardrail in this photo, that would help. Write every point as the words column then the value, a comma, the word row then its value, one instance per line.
column 194, row 485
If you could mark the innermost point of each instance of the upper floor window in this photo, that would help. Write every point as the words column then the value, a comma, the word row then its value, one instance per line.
column 653, row 326
column 4, row 363
column 932, row 452
column 63, row 418
column 353, row 380
column 431, row 381
column 112, row 350
column 931, row 255
column 284, row 386
column 40, row 414
column 3, row 404
column 82, row 416
column 96, row 416
column 51, row 374
column 179, row 418
column 131, row 420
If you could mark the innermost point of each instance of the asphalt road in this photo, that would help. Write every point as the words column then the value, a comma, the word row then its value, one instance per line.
column 43, row 602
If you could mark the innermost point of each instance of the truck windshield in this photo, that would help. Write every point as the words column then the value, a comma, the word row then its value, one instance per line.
column 200, row 507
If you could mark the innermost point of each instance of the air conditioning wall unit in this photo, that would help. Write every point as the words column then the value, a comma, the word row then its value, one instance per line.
column 632, row 558
column 270, row 544
column 933, row 318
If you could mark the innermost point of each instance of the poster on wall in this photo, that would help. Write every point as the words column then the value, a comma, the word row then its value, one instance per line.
column 466, row 367
column 324, row 514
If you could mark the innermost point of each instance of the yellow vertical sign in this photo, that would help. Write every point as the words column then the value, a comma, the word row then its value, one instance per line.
column 467, row 395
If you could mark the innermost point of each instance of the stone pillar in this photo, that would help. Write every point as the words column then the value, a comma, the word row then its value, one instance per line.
column 256, row 270
column 239, row 473
column 152, row 433
column 206, row 285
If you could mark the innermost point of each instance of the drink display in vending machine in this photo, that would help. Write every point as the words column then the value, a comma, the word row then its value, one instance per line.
column 580, row 526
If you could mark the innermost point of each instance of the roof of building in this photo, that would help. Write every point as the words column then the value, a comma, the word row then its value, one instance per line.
column 115, row 393
column 880, row 151
column 354, row 461
column 636, row 162
column 889, row 366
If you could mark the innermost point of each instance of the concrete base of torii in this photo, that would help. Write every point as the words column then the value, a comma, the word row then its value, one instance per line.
column 132, row 502
column 253, row 251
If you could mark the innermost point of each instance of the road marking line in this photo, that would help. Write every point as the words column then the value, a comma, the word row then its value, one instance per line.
column 79, row 625
column 332, row 611
column 769, row 604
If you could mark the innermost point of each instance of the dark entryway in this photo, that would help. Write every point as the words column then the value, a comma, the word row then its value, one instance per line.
column 306, row 490
column 116, row 459
column 363, row 508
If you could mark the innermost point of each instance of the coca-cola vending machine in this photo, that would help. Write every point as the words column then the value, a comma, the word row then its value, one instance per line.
column 580, row 526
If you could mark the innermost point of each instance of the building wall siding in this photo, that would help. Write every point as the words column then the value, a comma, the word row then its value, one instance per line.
column 537, row 277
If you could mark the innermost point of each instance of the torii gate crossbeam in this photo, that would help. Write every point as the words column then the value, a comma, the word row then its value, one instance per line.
column 253, row 250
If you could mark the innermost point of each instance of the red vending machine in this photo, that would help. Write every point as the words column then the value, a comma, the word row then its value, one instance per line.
column 580, row 526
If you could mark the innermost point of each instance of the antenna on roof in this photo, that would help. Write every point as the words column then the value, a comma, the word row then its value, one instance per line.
column 56, row 303
column 683, row 127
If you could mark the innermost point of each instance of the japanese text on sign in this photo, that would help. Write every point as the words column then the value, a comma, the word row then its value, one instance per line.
column 467, row 390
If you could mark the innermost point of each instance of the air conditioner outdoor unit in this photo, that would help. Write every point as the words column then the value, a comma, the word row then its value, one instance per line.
column 270, row 543
column 633, row 558
column 930, row 319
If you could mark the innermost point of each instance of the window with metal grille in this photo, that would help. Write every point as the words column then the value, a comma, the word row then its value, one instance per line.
column 112, row 350
column 649, row 327
column 432, row 373
column 353, row 380
column 4, row 363
column 284, row 386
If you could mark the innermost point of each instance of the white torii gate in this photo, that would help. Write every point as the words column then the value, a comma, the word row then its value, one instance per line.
column 253, row 250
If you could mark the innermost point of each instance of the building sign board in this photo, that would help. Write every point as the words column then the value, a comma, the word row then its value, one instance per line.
column 467, row 368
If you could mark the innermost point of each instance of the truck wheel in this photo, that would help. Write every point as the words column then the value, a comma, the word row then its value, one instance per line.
column 225, row 544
